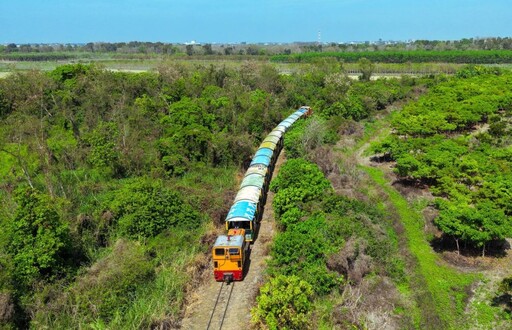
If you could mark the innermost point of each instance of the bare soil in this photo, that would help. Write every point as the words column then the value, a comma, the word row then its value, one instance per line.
column 202, row 300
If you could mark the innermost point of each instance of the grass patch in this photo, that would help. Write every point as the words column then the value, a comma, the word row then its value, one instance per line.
column 161, row 300
column 447, row 288
column 483, row 314
column 374, row 129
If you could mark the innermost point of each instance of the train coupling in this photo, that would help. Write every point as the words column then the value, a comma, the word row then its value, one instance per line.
column 228, row 278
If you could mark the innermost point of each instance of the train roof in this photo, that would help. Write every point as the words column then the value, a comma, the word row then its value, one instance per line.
column 260, row 160
column 272, row 138
column 257, row 169
column 256, row 180
column 268, row 144
column 286, row 123
column 248, row 193
column 229, row 241
column 277, row 134
column 242, row 210
column 280, row 128
column 264, row 152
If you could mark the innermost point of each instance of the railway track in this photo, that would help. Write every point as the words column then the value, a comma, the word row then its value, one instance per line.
column 221, row 306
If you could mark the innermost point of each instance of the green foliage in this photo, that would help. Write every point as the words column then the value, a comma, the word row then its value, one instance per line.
column 109, row 286
column 300, row 245
column 290, row 217
column 477, row 70
column 442, row 291
column 293, row 140
column 284, row 303
column 433, row 142
column 479, row 224
column 366, row 67
column 299, row 181
column 86, row 136
column 302, row 250
column 143, row 208
column 418, row 56
column 102, row 140
column 39, row 239
column 68, row 74
column 299, row 173
column 455, row 105
column 61, row 141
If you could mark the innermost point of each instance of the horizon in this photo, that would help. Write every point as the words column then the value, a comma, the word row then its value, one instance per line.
column 272, row 43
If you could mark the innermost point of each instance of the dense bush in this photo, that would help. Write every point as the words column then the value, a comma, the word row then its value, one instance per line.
column 39, row 240
column 325, row 239
column 299, row 181
column 302, row 250
column 284, row 303
column 144, row 209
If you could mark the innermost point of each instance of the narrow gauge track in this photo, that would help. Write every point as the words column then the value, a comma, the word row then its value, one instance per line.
column 223, row 297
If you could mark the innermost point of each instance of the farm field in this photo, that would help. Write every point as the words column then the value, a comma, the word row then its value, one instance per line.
column 145, row 62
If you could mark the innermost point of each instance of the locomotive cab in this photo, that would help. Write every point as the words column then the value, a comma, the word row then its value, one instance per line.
column 249, row 228
column 229, row 255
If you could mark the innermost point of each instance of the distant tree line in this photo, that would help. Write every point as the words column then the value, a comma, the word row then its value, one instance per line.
column 209, row 49
column 404, row 56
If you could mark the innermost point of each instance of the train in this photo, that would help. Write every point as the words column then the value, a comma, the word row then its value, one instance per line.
column 230, row 252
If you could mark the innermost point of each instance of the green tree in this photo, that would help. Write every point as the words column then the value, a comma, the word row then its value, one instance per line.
column 299, row 181
column 208, row 49
column 366, row 67
column 479, row 225
column 144, row 209
column 189, row 49
column 39, row 238
column 104, row 154
column 284, row 303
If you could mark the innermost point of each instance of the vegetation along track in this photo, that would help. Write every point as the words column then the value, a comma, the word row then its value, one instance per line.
column 202, row 300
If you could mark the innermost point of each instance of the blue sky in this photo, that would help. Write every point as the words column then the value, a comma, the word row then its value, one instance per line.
column 63, row 21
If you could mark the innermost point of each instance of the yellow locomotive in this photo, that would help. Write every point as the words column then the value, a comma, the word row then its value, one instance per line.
column 229, row 255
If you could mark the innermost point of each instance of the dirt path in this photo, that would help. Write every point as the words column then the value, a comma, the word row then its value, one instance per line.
column 238, row 316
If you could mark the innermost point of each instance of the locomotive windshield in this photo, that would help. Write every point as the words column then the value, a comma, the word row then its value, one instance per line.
column 240, row 224
column 219, row 252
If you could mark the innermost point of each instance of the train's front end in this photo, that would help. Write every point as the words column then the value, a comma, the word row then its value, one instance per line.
column 229, row 255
